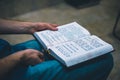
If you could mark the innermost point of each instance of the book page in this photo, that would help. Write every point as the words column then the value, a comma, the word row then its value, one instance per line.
column 82, row 49
column 65, row 33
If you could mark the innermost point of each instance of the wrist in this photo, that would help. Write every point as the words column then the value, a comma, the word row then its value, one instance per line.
column 26, row 27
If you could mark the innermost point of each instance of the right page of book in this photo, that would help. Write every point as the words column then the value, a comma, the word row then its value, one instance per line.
column 65, row 33
column 80, row 50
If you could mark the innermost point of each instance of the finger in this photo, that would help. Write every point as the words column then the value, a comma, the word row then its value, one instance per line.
column 38, row 60
column 54, row 25
column 35, row 61
column 41, row 56
column 51, row 27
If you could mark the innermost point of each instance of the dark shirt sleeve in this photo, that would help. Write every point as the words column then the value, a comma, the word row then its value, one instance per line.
column 5, row 48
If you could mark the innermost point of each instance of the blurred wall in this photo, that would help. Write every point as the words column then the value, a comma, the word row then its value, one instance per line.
column 10, row 8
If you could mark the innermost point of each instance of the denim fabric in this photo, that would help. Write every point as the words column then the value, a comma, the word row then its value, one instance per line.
column 95, row 69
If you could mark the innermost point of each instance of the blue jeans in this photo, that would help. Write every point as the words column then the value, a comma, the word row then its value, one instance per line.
column 95, row 69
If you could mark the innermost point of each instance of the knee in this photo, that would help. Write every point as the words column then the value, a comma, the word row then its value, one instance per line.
column 109, row 60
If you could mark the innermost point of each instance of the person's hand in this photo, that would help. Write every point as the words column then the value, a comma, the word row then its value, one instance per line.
column 39, row 26
column 31, row 57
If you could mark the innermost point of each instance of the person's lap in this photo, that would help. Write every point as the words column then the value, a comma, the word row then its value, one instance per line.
column 95, row 69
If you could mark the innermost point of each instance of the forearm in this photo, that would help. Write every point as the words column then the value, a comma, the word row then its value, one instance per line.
column 8, row 63
column 16, row 27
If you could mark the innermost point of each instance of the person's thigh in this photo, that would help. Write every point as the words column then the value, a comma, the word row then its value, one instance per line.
column 21, row 72
column 95, row 69
column 31, row 44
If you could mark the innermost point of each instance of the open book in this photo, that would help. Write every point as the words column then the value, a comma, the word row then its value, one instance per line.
column 72, row 44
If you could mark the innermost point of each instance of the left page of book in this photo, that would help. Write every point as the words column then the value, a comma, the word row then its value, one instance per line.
column 65, row 33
